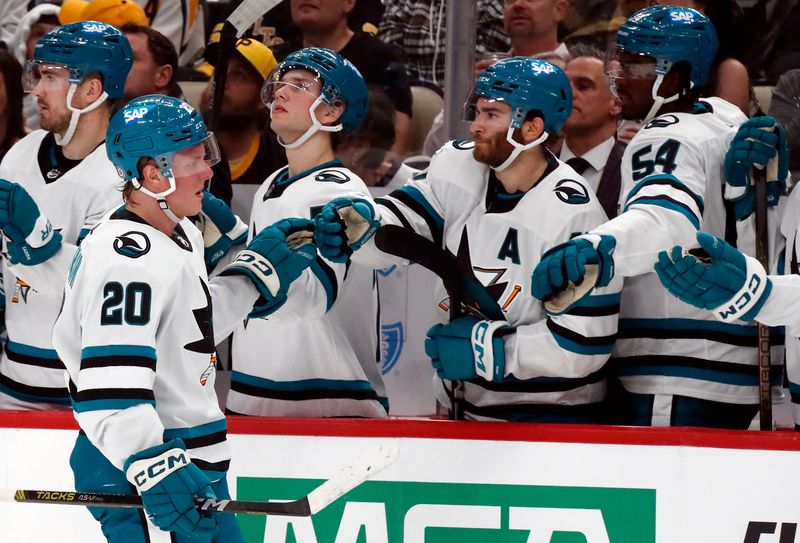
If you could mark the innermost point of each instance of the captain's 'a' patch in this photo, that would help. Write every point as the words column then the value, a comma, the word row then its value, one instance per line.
column 132, row 244
column 570, row 191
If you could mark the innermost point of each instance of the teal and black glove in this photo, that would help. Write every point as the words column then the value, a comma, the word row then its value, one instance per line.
column 273, row 260
column 344, row 225
column 468, row 347
column 221, row 229
column 30, row 237
column 168, row 483
column 732, row 285
column 758, row 142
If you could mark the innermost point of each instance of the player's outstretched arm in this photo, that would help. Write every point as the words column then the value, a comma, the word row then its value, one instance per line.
column 732, row 285
column 343, row 226
column 273, row 259
column 760, row 142
column 30, row 238
column 571, row 270
column 168, row 483
column 221, row 229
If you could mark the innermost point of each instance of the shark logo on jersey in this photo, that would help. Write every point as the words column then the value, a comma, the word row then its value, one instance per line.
column 202, row 315
column 662, row 122
column 55, row 173
column 132, row 244
column 570, row 191
column 332, row 176
column 392, row 340
column 212, row 365
column 21, row 289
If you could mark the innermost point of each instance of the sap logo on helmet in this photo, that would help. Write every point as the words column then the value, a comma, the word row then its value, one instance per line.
column 94, row 27
column 682, row 15
column 543, row 68
column 135, row 113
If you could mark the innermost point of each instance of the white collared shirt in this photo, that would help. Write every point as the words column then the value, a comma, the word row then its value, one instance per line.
column 597, row 157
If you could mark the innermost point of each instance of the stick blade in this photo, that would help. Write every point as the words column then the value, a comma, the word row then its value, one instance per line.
column 247, row 12
column 349, row 477
column 573, row 293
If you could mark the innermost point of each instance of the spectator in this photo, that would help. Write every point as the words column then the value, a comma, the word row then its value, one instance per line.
column 590, row 143
column 241, row 128
column 11, row 13
column 729, row 78
column 418, row 28
column 12, row 126
column 785, row 107
column 323, row 23
column 155, row 63
column 112, row 12
column 35, row 24
column 364, row 152
column 532, row 26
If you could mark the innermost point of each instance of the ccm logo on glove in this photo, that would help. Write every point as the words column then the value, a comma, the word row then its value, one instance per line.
column 153, row 470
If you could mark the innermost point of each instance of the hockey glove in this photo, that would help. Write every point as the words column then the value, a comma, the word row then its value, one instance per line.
column 569, row 271
column 467, row 348
column 30, row 237
column 168, row 483
column 730, row 284
column 344, row 225
column 220, row 227
column 759, row 142
column 273, row 260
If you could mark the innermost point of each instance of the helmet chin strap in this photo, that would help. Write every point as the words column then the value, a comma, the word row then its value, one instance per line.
column 658, row 101
column 76, row 114
column 315, row 126
column 518, row 148
column 160, row 197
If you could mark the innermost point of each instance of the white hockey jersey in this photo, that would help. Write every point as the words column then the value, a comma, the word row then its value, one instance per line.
column 317, row 355
column 74, row 195
column 136, row 336
column 555, row 365
column 672, row 186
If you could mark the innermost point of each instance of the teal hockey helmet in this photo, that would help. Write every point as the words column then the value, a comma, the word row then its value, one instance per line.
column 88, row 47
column 526, row 84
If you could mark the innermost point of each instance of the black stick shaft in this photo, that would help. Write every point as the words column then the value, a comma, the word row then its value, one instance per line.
column 762, row 254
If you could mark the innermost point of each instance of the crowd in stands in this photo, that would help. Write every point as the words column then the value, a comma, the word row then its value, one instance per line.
column 397, row 45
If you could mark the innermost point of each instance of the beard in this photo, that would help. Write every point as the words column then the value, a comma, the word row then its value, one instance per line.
column 54, row 123
column 492, row 151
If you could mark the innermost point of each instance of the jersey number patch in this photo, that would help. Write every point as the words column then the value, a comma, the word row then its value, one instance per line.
column 131, row 303
column 642, row 166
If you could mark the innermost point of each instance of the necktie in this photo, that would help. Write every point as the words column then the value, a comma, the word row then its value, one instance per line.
column 578, row 164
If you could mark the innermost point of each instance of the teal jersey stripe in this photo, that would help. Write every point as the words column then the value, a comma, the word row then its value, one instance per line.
column 299, row 386
column 417, row 196
column 196, row 431
column 109, row 404
column 579, row 348
column 701, row 374
column 29, row 350
column 656, row 201
column 32, row 398
column 670, row 324
column 118, row 350
column 600, row 300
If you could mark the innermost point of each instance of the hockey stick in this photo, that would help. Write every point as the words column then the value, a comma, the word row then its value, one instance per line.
column 321, row 497
column 762, row 255
column 232, row 29
column 461, row 287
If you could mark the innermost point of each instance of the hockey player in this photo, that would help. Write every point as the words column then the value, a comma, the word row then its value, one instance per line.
column 136, row 335
column 61, row 184
column 675, row 364
column 318, row 354
column 497, row 202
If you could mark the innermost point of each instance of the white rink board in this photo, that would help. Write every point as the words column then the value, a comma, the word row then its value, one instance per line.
column 702, row 495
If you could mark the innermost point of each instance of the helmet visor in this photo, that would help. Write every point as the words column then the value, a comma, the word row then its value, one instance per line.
column 45, row 74
column 489, row 111
column 292, row 82
column 198, row 158
column 621, row 63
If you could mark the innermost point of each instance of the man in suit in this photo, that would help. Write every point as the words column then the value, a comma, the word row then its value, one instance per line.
column 590, row 144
